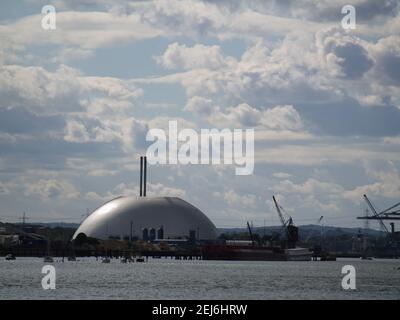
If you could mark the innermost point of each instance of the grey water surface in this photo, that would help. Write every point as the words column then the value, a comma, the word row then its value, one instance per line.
column 176, row 279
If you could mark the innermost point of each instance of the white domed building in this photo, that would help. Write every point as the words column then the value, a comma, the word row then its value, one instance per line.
column 126, row 216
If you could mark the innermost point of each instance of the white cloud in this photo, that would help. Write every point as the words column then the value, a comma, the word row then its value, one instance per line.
column 95, row 109
column 200, row 105
column 199, row 56
column 317, row 153
column 196, row 18
column 310, row 187
column 392, row 140
column 282, row 175
column 281, row 118
column 236, row 200
column 77, row 33
column 50, row 188
column 262, row 76
column 76, row 132
column 152, row 189
column 387, row 185
column 4, row 189
column 312, row 195
column 190, row 18
column 332, row 66
column 243, row 115
column 65, row 90
column 283, row 135
column 162, row 122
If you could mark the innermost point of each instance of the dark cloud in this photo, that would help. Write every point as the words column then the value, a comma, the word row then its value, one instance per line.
column 348, row 118
column 390, row 67
column 353, row 60
column 369, row 9
column 19, row 120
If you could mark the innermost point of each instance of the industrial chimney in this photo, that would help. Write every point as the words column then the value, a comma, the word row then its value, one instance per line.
column 143, row 176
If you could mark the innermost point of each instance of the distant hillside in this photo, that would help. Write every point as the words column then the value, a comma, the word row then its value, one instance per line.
column 304, row 231
column 51, row 225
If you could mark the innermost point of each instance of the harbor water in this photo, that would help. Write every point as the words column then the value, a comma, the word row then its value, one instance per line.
column 197, row 279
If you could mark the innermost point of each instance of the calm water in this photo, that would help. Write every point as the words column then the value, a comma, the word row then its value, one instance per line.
column 171, row 279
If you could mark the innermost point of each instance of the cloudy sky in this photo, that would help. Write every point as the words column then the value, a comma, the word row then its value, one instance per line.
column 76, row 104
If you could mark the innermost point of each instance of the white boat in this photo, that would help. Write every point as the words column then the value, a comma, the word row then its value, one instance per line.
column 48, row 259
column 366, row 258
column 298, row 254
column 10, row 256
column 106, row 260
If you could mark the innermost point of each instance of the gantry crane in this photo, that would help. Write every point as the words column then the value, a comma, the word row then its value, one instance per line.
column 383, row 215
column 391, row 213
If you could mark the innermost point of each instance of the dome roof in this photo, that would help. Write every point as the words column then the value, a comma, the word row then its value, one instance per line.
column 175, row 215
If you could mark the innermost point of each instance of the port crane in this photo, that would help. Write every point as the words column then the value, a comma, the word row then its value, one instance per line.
column 288, row 226
column 312, row 233
column 251, row 233
column 383, row 215
column 391, row 213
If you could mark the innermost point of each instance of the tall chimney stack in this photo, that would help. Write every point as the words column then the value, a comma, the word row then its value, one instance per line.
column 141, row 175
column 144, row 176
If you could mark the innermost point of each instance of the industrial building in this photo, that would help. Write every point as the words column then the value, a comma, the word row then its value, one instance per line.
column 148, row 218
column 155, row 218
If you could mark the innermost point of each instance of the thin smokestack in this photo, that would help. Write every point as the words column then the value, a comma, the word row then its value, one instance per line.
column 141, row 175
column 144, row 176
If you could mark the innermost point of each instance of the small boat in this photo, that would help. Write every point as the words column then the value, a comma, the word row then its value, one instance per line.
column 48, row 259
column 298, row 254
column 71, row 258
column 140, row 259
column 106, row 260
column 10, row 256
column 366, row 258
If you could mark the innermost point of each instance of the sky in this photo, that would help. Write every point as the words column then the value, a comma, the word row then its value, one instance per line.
column 77, row 102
